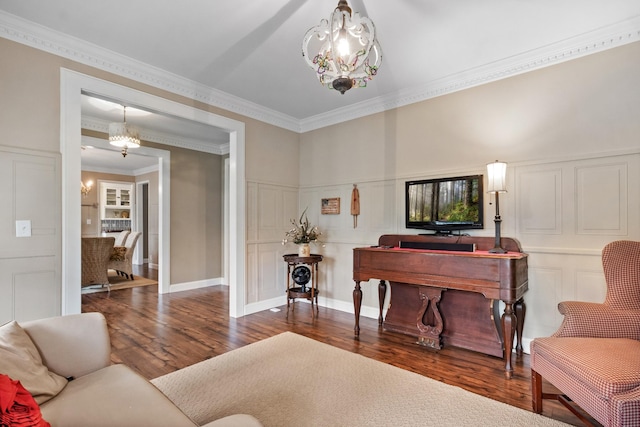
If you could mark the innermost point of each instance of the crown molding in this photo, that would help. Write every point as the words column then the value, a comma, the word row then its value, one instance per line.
column 29, row 33
column 220, row 148
column 572, row 48
column 34, row 35
column 148, row 169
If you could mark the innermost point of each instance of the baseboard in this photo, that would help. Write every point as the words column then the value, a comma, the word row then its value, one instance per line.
column 187, row 286
column 265, row 305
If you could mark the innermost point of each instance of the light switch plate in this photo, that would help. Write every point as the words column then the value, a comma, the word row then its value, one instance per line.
column 23, row 228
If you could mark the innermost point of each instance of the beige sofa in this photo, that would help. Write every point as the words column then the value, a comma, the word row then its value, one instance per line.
column 102, row 394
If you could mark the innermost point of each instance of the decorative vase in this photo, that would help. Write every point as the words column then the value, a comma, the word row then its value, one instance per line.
column 304, row 250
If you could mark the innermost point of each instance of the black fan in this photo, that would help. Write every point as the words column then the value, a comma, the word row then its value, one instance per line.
column 301, row 275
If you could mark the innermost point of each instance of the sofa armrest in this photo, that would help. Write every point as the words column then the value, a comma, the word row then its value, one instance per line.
column 586, row 319
column 73, row 345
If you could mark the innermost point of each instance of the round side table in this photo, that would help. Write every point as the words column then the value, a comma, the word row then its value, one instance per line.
column 301, row 271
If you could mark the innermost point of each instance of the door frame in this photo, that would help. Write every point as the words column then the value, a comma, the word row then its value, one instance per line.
column 72, row 85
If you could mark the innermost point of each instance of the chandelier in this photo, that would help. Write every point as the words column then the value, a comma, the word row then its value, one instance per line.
column 124, row 136
column 343, row 51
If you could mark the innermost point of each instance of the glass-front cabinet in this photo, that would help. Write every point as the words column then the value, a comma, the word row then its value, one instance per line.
column 116, row 206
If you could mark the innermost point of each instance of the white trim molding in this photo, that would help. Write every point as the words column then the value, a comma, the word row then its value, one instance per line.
column 39, row 37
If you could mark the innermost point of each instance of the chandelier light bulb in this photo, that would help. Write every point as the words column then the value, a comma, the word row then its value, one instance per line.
column 343, row 44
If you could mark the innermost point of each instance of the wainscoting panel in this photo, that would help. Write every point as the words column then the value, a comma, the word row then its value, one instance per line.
column 270, row 267
column 559, row 277
column 545, row 292
column 601, row 188
column 253, row 281
column 267, row 202
column 22, row 176
column 30, row 266
column 577, row 206
column 590, row 285
column 28, row 287
column 539, row 201
column 270, row 209
column 252, row 213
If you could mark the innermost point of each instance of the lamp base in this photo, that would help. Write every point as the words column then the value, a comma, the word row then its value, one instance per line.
column 497, row 250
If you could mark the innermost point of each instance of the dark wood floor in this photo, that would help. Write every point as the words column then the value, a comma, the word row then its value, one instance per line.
column 157, row 334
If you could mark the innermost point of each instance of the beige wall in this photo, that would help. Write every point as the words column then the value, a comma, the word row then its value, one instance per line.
column 196, row 193
column 30, row 120
column 570, row 134
column 578, row 108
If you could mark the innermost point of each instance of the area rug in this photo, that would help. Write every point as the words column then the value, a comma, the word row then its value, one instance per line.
column 291, row 380
column 119, row 282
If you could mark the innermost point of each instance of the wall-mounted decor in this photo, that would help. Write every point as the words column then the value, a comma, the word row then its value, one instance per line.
column 355, row 204
column 330, row 206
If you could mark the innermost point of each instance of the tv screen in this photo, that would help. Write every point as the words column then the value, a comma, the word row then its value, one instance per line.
column 445, row 204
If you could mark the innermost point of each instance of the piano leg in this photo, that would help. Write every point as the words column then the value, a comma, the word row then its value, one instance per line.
column 357, row 303
column 521, row 311
column 509, row 321
column 382, row 292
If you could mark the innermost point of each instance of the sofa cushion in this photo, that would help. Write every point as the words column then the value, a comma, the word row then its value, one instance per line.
column 20, row 360
column 113, row 396
column 607, row 366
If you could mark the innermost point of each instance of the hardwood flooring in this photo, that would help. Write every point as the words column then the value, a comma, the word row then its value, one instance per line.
column 157, row 334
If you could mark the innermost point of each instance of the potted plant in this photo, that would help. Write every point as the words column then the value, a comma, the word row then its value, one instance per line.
column 302, row 234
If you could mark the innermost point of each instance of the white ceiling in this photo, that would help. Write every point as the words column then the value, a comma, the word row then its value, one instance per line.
column 245, row 55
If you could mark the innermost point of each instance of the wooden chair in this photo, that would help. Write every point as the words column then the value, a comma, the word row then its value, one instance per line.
column 123, row 264
column 96, row 252
column 594, row 357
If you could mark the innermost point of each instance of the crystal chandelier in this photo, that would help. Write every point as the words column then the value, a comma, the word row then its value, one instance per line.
column 123, row 135
column 343, row 51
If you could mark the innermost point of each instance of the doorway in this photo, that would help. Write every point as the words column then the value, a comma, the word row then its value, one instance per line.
column 73, row 84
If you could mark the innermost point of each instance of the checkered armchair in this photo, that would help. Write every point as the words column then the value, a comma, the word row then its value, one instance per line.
column 594, row 357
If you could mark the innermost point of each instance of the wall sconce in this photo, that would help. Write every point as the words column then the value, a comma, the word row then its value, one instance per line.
column 497, row 183
column 85, row 188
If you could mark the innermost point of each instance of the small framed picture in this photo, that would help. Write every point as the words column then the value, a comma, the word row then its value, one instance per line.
column 330, row 206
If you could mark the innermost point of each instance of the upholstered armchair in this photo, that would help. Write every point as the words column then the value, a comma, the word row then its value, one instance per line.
column 594, row 357
column 122, row 262
column 96, row 252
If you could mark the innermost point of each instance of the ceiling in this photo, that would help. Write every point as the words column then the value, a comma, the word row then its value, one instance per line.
column 245, row 56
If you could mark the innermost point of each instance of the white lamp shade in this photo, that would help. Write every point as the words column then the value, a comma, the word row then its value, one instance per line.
column 123, row 135
column 497, row 177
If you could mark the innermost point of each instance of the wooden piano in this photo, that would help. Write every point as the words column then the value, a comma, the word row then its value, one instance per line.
column 448, row 297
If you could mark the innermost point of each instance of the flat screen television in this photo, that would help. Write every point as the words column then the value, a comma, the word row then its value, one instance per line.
column 445, row 205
